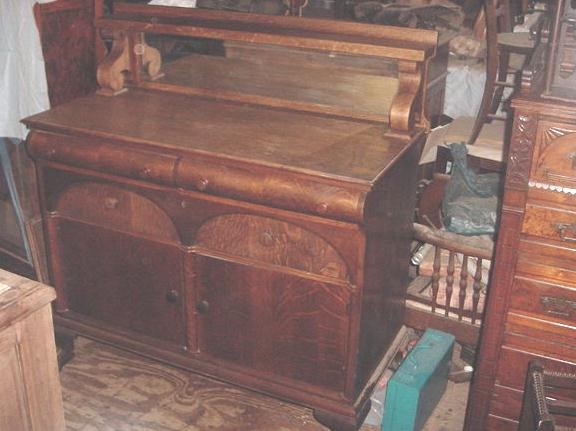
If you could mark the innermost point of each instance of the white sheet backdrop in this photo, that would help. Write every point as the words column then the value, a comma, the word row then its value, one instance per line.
column 23, row 88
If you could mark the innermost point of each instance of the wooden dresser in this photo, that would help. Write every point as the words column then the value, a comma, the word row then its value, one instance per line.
column 245, row 214
column 532, row 294
column 30, row 396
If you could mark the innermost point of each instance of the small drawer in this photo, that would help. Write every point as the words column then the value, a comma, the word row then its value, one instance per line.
column 551, row 223
column 555, row 165
column 102, row 156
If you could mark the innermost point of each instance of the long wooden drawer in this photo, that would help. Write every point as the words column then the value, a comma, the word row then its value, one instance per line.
column 544, row 300
column 513, row 361
column 543, row 260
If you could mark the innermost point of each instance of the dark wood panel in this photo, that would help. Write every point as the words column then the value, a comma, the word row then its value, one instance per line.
column 69, row 46
column 119, row 279
column 274, row 321
column 542, row 300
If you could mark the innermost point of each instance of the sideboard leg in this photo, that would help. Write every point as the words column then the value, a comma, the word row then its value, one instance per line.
column 64, row 346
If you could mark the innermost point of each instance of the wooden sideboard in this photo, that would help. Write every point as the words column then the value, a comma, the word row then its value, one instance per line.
column 30, row 396
column 247, row 217
column 531, row 309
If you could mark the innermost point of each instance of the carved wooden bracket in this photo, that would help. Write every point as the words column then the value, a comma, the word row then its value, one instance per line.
column 404, row 105
column 128, row 56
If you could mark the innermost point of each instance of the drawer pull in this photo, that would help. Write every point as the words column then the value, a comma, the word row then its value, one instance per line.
column 202, row 307
column 145, row 173
column 202, row 184
column 567, row 232
column 173, row 297
column 111, row 203
column 560, row 307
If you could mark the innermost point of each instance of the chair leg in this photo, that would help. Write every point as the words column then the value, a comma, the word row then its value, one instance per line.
column 487, row 97
column 502, row 77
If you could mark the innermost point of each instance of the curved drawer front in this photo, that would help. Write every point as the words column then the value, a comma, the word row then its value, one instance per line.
column 92, row 154
column 263, row 186
column 256, row 184
column 117, row 208
column 275, row 242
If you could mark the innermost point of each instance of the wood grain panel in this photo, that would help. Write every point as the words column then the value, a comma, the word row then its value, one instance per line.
column 276, row 242
column 119, row 279
column 274, row 321
column 116, row 208
column 69, row 47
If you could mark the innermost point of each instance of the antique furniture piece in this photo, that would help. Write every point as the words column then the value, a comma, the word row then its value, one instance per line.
column 30, row 388
column 237, row 198
column 449, row 291
column 451, row 271
column 532, row 293
column 549, row 402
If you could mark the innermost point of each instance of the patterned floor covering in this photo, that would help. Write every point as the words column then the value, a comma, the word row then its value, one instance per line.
column 106, row 389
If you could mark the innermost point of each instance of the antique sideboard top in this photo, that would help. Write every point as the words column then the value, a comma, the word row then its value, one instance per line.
column 334, row 148
column 302, row 114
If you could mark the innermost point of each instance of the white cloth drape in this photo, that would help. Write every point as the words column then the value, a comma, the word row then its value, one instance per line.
column 23, row 88
column 464, row 88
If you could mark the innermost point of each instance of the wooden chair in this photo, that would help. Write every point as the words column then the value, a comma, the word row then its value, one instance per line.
column 507, row 53
column 549, row 400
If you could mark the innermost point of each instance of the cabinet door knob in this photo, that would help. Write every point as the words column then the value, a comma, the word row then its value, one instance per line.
column 173, row 297
column 202, row 307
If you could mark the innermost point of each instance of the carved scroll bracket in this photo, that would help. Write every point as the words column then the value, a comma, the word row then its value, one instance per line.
column 404, row 106
column 127, row 58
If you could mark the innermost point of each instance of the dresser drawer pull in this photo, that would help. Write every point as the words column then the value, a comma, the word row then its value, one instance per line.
column 560, row 307
column 567, row 232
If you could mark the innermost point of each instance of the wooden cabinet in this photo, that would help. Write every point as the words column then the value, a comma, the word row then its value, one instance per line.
column 254, row 230
column 532, row 301
column 533, row 284
column 30, row 397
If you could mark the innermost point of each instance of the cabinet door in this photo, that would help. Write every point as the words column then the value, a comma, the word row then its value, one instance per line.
column 273, row 320
column 111, row 265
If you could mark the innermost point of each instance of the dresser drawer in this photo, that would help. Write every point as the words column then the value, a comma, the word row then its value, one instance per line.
column 513, row 364
column 544, row 300
column 550, row 222
column 546, row 261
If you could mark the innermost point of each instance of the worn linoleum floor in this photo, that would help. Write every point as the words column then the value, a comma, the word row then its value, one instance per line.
column 106, row 389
